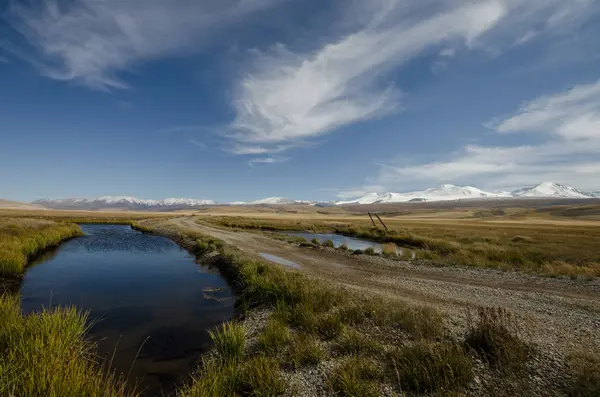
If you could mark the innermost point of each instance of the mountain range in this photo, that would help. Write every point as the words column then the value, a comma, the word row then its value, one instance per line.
column 451, row 192
column 444, row 192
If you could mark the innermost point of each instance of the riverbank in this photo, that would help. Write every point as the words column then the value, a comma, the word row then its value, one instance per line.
column 45, row 353
column 22, row 239
column 326, row 338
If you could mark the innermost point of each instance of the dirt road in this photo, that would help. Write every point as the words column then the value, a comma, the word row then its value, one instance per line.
column 561, row 314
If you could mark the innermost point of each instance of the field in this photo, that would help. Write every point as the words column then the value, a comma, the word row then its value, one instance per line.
column 521, row 239
column 352, row 324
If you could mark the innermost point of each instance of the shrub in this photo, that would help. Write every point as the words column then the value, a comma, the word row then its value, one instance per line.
column 328, row 243
column 315, row 241
column 230, row 341
column 431, row 366
column 370, row 251
column 495, row 338
column 343, row 247
column 390, row 249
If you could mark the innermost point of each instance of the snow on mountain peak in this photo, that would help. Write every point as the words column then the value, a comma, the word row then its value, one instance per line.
column 274, row 200
column 550, row 189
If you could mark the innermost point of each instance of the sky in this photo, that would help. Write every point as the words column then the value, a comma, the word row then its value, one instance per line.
column 307, row 99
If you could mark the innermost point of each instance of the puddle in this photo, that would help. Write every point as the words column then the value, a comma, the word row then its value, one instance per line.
column 350, row 242
column 279, row 260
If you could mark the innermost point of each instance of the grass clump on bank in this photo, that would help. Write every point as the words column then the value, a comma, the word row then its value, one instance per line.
column 21, row 238
column 431, row 366
column 356, row 377
column 45, row 354
column 230, row 340
column 495, row 337
column 584, row 369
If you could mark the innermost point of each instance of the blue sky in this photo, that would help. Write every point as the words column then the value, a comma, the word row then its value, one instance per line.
column 243, row 99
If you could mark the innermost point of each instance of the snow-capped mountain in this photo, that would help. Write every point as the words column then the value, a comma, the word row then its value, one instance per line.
column 451, row 192
column 274, row 200
column 550, row 189
column 441, row 193
column 123, row 202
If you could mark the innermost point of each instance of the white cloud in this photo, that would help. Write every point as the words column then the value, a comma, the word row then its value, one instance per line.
column 568, row 121
column 289, row 95
column 267, row 160
column 90, row 41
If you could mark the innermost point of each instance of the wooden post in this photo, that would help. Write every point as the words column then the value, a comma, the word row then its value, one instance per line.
column 381, row 221
column 374, row 225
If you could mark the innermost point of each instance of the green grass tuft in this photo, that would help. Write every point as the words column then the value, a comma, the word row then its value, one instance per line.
column 356, row 377
column 230, row 341
column 45, row 354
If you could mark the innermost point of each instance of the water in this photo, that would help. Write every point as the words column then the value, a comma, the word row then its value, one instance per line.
column 338, row 240
column 279, row 260
column 145, row 293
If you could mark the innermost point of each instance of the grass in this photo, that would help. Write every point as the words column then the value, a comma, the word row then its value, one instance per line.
column 495, row 337
column 431, row 366
column 559, row 249
column 45, row 354
column 356, row 377
column 21, row 238
column 304, row 350
column 584, row 369
column 354, row 342
column 275, row 337
column 230, row 340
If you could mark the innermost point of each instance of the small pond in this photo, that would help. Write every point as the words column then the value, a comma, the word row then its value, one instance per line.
column 144, row 293
column 338, row 240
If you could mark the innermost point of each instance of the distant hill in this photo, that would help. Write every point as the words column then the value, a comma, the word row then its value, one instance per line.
column 8, row 204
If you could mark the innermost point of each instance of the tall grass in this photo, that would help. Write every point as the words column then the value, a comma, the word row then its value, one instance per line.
column 20, row 239
column 495, row 337
column 45, row 354
column 584, row 369
column 431, row 366
column 230, row 340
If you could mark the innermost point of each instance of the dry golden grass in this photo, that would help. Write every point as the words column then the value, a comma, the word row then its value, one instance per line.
column 549, row 249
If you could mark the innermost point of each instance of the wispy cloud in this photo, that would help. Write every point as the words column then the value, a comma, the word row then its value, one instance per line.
column 267, row 160
column 197, row 143
column 568, row 122
column 288, row 96
column 90, row 41
column 4, row 60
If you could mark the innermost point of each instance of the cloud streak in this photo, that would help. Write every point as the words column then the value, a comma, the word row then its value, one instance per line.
column 90, row 41
column 288, row 96
column 569, row 123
